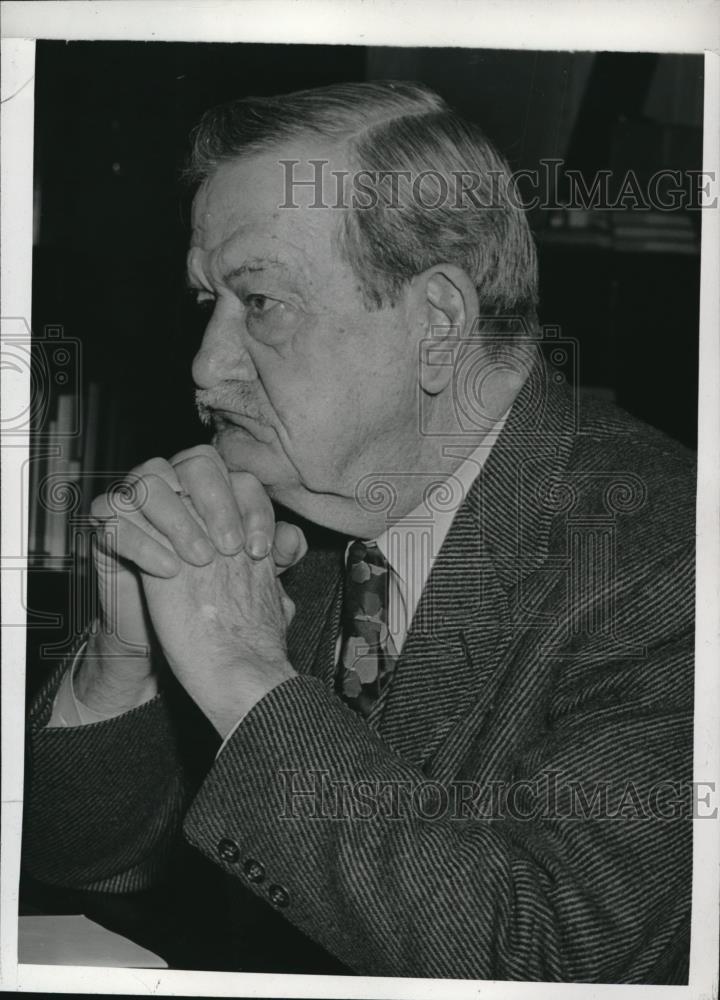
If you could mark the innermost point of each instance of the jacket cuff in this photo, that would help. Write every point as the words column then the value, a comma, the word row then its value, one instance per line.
column 87, row 820
column 261, row 813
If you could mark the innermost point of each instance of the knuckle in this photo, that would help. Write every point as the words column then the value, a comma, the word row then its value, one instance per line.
column 182, row 527
column 158, row 466
column 198, row 451
column 245, row 481
column 198, row 466
column 252, row 492
column 143, row 548
column 186, row 531
column 125, row 496
column 149, row 485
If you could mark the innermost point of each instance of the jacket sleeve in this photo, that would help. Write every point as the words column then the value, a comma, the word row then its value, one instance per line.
column 103, row 801
column 311, row 810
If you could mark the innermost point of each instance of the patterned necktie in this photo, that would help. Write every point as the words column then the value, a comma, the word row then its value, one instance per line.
column 366, row 666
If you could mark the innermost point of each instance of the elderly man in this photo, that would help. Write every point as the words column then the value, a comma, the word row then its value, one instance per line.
column 456, row 739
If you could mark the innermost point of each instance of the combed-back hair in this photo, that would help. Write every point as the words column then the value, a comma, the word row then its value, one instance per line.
column 398, row 126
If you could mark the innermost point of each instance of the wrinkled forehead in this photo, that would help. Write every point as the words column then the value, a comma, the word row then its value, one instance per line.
column 279, row 194
column 237, row 196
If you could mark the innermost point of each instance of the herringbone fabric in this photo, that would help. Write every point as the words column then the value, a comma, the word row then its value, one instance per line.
column 550, row 660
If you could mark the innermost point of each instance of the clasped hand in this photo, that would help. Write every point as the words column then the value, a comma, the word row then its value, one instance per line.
column 221, row 627
column 196, row 575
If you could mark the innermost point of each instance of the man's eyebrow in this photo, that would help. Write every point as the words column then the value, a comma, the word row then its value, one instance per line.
column 253, row 267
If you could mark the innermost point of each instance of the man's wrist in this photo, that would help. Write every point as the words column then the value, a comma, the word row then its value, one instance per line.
column 110, row 682
column 258, row 680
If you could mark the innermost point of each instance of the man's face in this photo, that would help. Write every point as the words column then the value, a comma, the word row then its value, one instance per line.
column 307, row 389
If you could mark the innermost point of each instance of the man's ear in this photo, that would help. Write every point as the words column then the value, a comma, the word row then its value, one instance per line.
column 448, row 304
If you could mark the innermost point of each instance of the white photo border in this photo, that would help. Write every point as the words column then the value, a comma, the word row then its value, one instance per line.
column 587, row 25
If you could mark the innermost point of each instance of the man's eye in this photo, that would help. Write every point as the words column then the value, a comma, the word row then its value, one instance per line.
column 259, row 304
column 268, row 319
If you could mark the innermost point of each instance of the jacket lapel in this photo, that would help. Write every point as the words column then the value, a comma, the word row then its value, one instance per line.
column 315, row 585
column 470, row 610
column 452, row 644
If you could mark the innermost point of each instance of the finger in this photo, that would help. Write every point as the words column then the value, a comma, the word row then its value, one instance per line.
column 170, row 516
column 201, row 451
column 288, row 606
column 258, row 516
column 156, row 467
column 212, row 496
column 289, row 545
column 121, row 537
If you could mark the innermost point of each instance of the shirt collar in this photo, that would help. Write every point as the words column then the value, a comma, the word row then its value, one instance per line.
column 439, row 516
column 412, row 544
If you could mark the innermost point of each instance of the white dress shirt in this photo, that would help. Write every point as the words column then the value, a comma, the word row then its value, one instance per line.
column 412, row 544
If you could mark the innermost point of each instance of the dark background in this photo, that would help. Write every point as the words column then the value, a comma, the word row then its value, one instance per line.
column 111, row 224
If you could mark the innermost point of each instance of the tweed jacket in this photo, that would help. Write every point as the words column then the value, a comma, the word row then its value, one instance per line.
column 517, row 804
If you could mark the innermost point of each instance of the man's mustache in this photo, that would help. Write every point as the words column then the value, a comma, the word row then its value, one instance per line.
column 238, row 397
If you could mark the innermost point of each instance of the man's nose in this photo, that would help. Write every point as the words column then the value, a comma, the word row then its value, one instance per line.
column 223, row 355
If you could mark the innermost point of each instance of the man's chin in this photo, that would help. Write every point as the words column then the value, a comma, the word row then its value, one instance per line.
column 244, row 453
column 241, row 451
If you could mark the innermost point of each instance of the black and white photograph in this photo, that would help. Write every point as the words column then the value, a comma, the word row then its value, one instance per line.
column 359, row 436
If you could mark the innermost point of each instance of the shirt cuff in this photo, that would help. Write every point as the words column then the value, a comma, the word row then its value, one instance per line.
column 67, row 710
column 230, row 735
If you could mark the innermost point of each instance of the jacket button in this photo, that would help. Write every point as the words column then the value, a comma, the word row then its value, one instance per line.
column 228, row 850
column 278, row 896
column 254, row 870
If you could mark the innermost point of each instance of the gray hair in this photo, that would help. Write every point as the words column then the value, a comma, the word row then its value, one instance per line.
column 391, row 127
